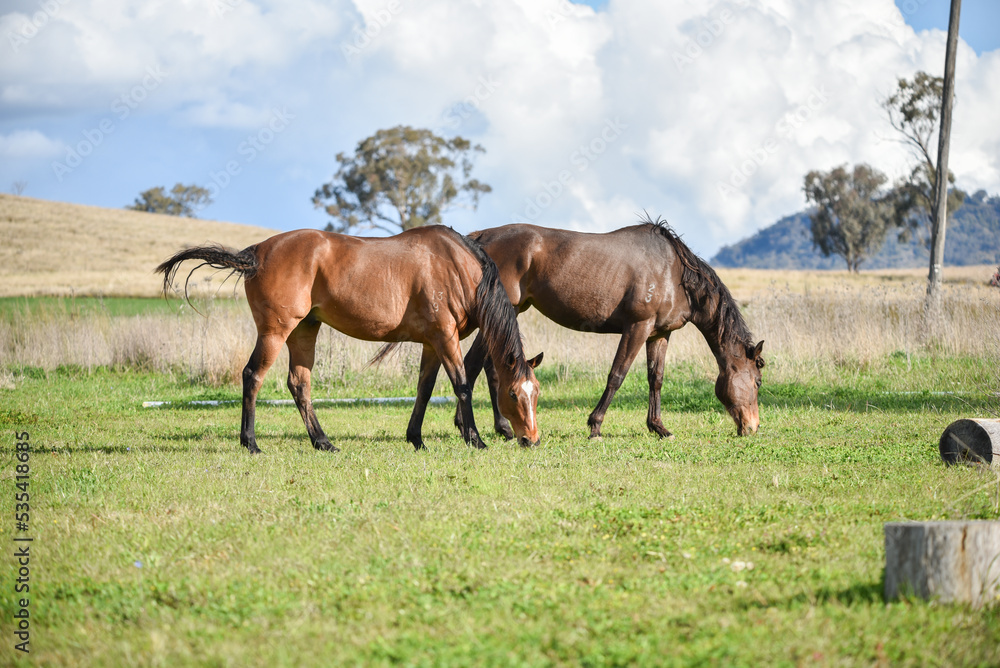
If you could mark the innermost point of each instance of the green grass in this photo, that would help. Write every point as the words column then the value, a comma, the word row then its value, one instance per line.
column 159, row 541
column 75, row 307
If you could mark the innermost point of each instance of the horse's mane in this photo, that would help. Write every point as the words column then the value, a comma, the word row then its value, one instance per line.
column 701, row 283
column 496, row 315
column 493, row 311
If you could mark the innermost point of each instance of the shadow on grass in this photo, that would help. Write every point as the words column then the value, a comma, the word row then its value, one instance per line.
column 860, row 400
column 697, row 396
column 864, row 593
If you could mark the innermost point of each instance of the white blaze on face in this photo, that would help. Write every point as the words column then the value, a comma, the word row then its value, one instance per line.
column 528, row 389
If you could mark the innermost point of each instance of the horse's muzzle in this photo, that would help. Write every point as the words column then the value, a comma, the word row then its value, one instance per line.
column 747, row 421
column 526, row 442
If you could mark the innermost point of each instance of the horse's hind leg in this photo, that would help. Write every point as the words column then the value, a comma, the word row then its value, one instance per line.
column 632, row 339
column 263, row 356
column 656, row 352
column 429, row 365
column 301, row 356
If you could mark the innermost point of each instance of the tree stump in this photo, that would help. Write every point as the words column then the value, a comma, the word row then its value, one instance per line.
column 971, row 441
column 956, row 561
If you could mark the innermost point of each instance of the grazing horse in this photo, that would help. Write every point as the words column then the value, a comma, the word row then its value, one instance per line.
column 641, row 282
column 430, row 285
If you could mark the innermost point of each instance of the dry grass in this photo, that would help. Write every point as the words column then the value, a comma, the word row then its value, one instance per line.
column 747, row 284
column 806, row 337
column 54, row 248
column 810, row 320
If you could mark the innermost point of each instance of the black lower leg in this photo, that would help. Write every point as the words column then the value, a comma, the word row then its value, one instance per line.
column 429, row 365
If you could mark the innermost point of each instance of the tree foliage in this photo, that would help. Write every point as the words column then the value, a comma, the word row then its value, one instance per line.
column 398, row 179
column 180, row 201
column 913, row 110
column 853, row 212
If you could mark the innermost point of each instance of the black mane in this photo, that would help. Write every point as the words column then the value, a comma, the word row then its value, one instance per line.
column 701, row 283
column 493, row 312
column 496, row 315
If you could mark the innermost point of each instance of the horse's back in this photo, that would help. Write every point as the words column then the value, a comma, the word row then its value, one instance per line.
column 592, row 281
column 374, row 288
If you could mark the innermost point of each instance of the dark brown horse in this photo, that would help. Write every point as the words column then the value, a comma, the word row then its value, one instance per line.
column 430, row 285
column 641, row 282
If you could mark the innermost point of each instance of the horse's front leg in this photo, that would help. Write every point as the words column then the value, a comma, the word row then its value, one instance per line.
column 500, row 424
column 656, row 353
column 473, row 366
column 632, row 339
column 475, row 361
column 429, row 365
column 451, row 357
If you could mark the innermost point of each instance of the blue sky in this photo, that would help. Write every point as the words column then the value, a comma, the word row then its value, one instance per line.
column 708, row 113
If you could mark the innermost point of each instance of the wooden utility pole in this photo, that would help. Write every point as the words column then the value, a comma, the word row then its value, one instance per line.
column 938, row 225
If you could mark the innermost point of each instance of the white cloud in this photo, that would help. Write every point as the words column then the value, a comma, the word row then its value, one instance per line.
column 28, row 145
column 91, row 51
column 749, row 94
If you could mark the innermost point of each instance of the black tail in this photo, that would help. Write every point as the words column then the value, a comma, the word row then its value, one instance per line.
column 242, row 262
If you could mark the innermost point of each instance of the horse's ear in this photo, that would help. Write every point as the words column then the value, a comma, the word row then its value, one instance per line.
column 536, row 360
column 510, row 360
column 758, row 360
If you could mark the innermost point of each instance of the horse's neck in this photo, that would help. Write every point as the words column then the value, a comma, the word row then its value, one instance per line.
column 711, row 323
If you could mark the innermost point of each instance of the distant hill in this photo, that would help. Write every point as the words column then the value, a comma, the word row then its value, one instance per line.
column 973, row 238
column 56, row 248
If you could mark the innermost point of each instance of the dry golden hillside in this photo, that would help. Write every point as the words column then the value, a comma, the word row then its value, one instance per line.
column 55, row 248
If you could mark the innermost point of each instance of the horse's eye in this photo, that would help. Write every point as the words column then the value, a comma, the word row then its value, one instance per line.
column 758, row 383
column 513, row 394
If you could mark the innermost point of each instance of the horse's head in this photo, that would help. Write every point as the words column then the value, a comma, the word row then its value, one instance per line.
column 737, row 387
column 517, row 394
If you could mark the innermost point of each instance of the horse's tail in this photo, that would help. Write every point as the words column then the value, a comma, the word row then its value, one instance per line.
column 242, row 262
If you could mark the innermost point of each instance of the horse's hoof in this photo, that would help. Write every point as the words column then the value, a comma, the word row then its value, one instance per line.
column 417, row 447
column 326, row 446
column 661, row 431
column 505, row 431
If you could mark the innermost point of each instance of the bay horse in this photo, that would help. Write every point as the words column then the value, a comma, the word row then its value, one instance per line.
column 642, row 282
column 430, row 285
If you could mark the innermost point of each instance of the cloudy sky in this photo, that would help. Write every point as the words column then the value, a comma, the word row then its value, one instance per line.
column 707, row 113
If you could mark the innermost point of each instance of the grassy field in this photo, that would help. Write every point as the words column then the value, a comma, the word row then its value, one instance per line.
column 158, row 541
